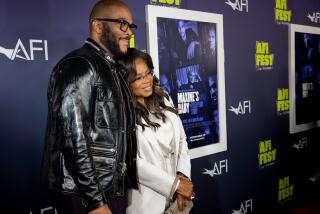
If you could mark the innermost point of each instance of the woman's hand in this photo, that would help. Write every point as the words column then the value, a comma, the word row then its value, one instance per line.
column 181, row 201
column 185, row 187
column 184, row 191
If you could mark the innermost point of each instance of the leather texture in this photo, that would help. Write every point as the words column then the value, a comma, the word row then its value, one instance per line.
column 90, row 137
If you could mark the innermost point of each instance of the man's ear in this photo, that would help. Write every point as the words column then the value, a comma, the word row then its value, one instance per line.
column 96, row 26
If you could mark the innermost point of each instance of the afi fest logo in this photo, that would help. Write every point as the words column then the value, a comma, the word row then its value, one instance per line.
column 264, row 60
column 283, row 101
column 245, row 207
column 301, row 144
column 20, row 51
column 282, row 14
column 285, row 189
column 167, row 2
column 218, row 168
column 239, row 5
column 315, row 17
column 267, row 154
column 243, row 108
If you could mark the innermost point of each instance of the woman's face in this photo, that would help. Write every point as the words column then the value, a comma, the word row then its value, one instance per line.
column 142, row 85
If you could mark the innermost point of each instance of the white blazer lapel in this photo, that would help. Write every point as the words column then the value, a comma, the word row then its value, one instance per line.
column 176, row 126
column 175, row 123
column 150, row 136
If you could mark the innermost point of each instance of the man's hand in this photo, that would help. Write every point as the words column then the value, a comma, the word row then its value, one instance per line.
column 101, row 210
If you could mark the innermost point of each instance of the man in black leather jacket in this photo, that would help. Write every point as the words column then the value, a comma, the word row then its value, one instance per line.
column 89, row 158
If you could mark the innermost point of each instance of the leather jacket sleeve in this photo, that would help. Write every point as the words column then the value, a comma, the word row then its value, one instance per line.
column 76, row 94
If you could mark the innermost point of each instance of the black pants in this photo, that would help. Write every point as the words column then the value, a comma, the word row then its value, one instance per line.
column 66, row 204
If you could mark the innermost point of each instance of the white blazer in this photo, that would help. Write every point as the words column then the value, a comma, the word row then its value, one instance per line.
column 155, row 182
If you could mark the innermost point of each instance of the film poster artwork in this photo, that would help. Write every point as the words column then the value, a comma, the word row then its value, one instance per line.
column 307, row 77
column 187, row 53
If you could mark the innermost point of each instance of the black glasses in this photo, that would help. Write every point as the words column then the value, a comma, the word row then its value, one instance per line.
column 124, row 25
column 140, row 78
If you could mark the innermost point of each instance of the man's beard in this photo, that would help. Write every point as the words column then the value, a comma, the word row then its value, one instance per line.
column 110, row 41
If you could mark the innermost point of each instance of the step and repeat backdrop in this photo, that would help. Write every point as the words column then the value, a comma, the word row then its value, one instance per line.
column 244, row 75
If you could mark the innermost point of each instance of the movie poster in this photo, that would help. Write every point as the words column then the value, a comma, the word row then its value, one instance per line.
column 304, row 78
column 188, row 71
column 186, row 56
column 307, row 60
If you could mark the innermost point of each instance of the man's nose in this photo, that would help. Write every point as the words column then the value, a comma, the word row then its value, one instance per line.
column 129, row 32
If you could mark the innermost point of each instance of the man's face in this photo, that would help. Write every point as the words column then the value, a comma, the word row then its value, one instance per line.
column 212, row 39
column 182, row 29
column 112, row 37
column 165, row 83
column 193, row 77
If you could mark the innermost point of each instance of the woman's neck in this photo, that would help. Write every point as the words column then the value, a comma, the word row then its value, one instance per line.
column 141, row 101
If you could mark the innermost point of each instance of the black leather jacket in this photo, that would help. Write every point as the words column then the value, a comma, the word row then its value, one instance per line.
column 90, row 145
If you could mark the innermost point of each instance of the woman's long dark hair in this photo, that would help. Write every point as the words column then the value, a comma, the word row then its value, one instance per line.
column 154, row 103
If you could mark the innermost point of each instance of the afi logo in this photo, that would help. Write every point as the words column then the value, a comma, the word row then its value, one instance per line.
column 315, row 17
column 238, row 5
column 244, row 207
column 218, row 168
column 243, row 107
column 47, row 210
column 21, row 52
column 302, row 144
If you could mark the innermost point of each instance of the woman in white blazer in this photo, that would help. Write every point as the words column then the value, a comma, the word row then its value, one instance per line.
column 163, row 162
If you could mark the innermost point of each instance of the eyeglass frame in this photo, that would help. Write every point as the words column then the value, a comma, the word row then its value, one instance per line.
column 140, row 78
column 122, row 23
